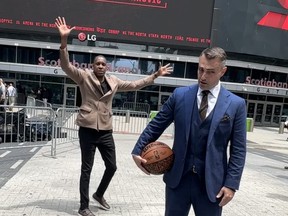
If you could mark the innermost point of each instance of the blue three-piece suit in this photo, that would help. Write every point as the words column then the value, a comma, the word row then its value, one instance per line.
column 202, row 145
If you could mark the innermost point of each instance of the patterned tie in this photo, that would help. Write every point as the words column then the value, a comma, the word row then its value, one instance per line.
column 204, row 104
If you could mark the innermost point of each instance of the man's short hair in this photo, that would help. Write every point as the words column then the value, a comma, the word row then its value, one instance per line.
column 99, row 56
column 215, row 53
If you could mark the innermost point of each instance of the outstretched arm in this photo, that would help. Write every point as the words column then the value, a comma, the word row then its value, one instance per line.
column 64, row 30
column 140, row 83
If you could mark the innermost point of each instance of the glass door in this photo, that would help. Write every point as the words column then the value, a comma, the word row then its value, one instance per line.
column 264, row 114
column 255, row 110
column 272, row 114
column 251, row 109
column 70, row 94
column 276, row 118
column 162, row 99
column 267, row 120
column 259, row 113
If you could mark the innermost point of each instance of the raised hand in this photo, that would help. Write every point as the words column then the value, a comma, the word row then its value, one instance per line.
column 64, row 30
column 164, row 70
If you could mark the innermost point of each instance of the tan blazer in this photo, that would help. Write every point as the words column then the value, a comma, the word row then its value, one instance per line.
column 96, row 108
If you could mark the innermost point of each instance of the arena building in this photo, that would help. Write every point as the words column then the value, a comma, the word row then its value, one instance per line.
column 136, row 36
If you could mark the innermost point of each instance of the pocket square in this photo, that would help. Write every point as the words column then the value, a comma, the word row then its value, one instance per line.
column 225, row 118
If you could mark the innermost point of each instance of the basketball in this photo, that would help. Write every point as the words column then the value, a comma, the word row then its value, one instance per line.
column 159, row 157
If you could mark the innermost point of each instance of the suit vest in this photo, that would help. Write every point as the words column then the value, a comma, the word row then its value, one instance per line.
column 197, row 144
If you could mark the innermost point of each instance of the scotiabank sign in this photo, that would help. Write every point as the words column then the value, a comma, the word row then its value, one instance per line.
column 265, row 82
column 56, row 63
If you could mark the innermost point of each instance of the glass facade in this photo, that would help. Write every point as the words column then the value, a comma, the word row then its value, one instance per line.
column 28, row 55
column 7, row 53
column 131, row 65
column 236, row 74
column 148, row 66
column 126, row 65
column 263, row 107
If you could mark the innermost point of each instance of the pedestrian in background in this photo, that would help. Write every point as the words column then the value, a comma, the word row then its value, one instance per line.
column 286, row 125
column 95, row 116
column 2, row 95
column 12, row 93
column 208, row 119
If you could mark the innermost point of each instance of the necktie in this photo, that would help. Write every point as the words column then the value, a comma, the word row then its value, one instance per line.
column 204, row 104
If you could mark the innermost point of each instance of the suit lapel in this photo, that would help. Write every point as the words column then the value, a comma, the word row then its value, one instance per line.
column 220, row 108
column 97, row 85
column 111, row 84
column 189, row 100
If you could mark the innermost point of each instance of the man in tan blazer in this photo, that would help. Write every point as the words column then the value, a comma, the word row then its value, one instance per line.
column 95, row 116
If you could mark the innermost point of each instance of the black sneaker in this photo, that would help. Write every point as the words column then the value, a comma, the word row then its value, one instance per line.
column 85, row 212
column 101, row 201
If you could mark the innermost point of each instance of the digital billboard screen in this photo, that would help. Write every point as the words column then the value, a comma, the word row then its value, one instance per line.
column 171, row 23
column 252, row 27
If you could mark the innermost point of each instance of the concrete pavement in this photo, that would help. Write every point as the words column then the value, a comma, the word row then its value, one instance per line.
column 47, row 186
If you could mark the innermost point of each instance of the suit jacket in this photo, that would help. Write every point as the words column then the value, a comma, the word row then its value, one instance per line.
column 96, row 108
column 228, row 126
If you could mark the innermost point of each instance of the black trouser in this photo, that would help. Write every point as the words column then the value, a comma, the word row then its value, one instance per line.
column 89, row 140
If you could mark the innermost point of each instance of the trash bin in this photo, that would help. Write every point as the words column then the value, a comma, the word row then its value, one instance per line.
column 281, row 127
column 152, row 114
column 249, row 124
column 127, row 120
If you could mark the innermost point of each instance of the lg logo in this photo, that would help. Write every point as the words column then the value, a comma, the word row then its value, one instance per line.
column 82, row 37
column 276, row 20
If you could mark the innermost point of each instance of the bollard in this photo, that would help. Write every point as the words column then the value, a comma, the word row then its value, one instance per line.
column 152, row 114
column 281, row 127
column 249, row 124
column 127, row 116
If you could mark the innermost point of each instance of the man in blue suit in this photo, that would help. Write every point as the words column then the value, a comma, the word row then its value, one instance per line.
column 209, row 144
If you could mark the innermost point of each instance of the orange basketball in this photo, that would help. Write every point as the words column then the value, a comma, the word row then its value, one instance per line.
column 159, row 157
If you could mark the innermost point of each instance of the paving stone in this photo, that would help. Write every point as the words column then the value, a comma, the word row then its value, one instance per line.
column 47, row 186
